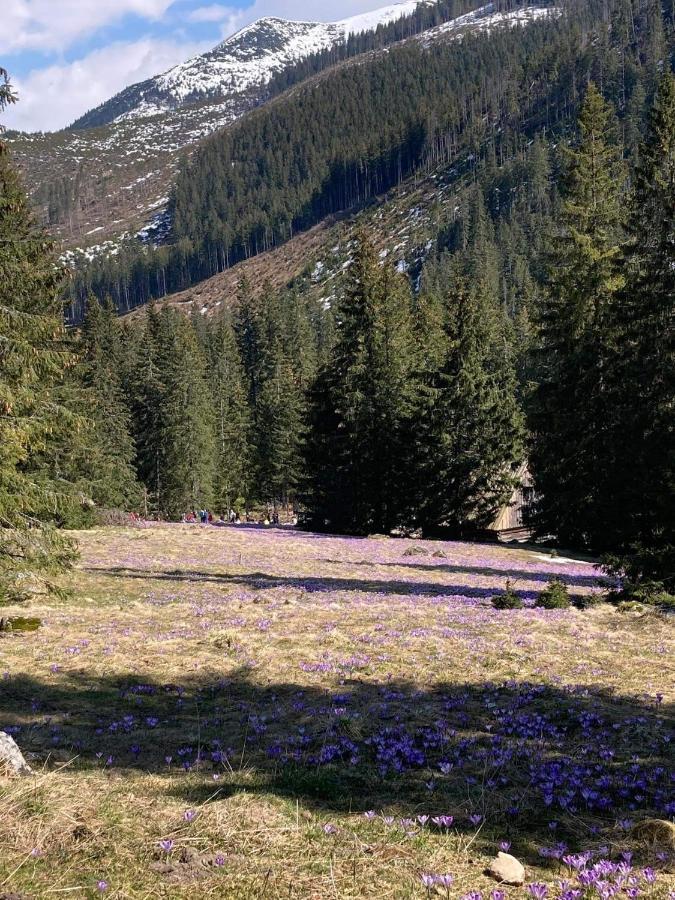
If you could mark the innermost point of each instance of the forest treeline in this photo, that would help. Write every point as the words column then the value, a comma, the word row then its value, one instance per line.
column 541, row 329
column 337, row 141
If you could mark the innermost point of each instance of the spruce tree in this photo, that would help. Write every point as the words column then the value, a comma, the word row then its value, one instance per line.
column 362, row 404
column 571, row 448
column 110, row 455
column 232, row 416
column 37, row 424
column 280, row 404
column 472, row 428
column 644, row 365
column 187, row 420
column 279, row 432
column 146, row 390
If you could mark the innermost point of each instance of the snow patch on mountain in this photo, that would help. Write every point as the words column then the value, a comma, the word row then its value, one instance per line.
column 485, row 19
column 251, row 58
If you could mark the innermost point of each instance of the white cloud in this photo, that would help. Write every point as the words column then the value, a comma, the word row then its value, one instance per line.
column 55, row 24
column 214, row 13
column 54, row 97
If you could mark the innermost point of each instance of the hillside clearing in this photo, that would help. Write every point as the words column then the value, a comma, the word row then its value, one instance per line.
column 242, row 712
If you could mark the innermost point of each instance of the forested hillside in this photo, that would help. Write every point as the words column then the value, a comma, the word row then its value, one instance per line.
column 529, row 171
column 104, row 183
column 332, row 144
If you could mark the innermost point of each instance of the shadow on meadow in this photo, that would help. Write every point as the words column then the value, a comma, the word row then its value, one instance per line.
column 311, row 584
column 485, row 571
column 515, row 756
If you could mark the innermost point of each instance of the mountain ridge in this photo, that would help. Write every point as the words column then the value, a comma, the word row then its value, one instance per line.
column 99, row 186
column 246, row 60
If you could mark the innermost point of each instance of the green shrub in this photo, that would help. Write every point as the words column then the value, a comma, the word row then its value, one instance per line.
column 554, row 596
column 586, row 601
column 508, row 600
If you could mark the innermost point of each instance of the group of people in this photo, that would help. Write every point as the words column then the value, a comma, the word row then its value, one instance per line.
column 206, row 517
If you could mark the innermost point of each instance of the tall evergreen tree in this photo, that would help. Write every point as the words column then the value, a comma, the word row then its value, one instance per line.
column 472, row 428
column 644, row 365
column 279, row 432
column 36, row 425
column 187, row 420
column 571, row 448
column 146, row 390
column 232, row 416
column 109, row 458
column 362, row 404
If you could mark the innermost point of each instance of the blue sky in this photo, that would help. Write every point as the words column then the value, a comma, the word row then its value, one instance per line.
column 67, row 56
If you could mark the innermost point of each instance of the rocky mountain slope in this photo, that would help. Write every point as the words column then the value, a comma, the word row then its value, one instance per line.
column 107, row 179
column 108, row 176
column 244, row 61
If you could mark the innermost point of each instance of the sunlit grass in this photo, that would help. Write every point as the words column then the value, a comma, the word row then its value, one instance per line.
column 264, row 713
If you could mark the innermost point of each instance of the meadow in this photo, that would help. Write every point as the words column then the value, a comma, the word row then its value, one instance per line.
column 259, row 713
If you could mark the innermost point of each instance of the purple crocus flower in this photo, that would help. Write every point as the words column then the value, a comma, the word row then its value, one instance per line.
column 189, row 815
column 166, row 844
column 101, row 885
column 538, row 890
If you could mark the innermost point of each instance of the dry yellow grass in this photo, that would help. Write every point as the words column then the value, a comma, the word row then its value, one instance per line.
column 248, row 695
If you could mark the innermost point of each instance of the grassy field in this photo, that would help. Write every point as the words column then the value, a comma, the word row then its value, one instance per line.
column 262, row 713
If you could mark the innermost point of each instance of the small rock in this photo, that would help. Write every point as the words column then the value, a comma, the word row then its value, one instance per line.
column 416, row 551
column 507, row 869
column 11, row 758
column 440, row 555
column 655, row 831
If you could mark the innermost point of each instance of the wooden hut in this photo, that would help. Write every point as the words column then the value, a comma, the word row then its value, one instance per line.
column 510, row 523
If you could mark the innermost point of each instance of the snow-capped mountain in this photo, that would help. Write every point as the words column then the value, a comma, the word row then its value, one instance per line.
column 247, row 60
column 107, row 179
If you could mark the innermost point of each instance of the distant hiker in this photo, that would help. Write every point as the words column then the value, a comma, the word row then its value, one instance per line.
column 203, row 516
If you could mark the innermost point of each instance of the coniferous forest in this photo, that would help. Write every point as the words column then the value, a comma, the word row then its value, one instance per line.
column 345, row 570
column 540, row 329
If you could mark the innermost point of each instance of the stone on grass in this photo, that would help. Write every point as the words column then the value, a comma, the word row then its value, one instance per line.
column 507, row 869
column 11, row 758
column 656, row 831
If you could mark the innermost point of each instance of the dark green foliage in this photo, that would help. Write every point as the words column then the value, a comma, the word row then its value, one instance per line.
column 643, row 369
column 508, row 600
column 469, row 430
column 108, row 459
column 361, row 405
column 554, row 596
column 38, row 421
column 571, row 449
column 232, row 416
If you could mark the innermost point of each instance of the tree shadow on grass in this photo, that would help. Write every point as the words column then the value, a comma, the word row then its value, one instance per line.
column 519, row 755
column 486, row 571
column 311, row 584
